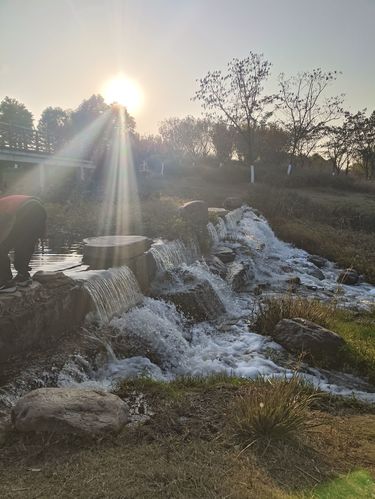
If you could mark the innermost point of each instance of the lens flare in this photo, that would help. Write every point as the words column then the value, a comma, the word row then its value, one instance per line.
column 124, row 91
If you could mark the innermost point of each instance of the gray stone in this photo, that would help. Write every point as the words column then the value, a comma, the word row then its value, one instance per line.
column 217, row 212
column 239, row 275
column 195, row 298
column 349, row 277
column 317, row 260
column 216, row 266
column 195, row 212
column 317, row 273
column 225, row 254
column 70, row 410
column 113, row 251
column 302, row 336
column 232, row 203
column 295, row 281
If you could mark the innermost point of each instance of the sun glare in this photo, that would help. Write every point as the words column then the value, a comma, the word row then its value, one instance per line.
column 124, row 91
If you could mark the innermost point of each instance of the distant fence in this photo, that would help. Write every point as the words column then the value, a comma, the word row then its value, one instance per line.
column 19, row 138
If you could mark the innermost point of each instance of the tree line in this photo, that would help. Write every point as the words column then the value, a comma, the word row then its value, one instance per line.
column 240, row 120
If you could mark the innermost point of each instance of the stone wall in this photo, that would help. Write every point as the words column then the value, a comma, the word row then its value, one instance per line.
column 36, row 316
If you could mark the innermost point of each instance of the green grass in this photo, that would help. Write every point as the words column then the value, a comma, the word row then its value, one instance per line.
column 359, row 484
column 357, row 329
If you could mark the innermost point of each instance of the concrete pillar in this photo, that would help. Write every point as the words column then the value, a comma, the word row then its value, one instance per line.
column 42, row 177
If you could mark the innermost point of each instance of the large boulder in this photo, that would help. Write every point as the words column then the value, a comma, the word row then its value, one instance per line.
column 302, row 336
column 349, row 277
column 232, row 203
column 196, row 212
column 216, row 266
column 70, row 410
column 239, row 275
column 194, row 297
column 317, row 273
column 225, row 254
column 317, row 260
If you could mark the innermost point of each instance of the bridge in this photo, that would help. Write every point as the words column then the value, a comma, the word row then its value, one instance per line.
column 27, row 145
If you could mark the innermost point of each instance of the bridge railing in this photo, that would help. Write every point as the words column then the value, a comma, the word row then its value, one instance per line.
column 19, row 138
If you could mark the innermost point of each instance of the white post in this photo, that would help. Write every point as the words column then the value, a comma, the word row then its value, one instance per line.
column 162, row 169
column 289, row 169
column 42, row 177
column 252, row 174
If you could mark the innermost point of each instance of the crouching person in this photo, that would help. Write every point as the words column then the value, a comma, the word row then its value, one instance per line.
column 22, row 223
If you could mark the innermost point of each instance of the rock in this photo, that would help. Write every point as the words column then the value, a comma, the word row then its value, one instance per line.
column 296, row 281
column 317, row 273
column 317, row 260
column 195, row 212
column 239, row 275
column 225, row 254
column 302, row 336
column 217, row 212
column 194, row 297
column 70, row 410
column 349, row 277
column 52, row 279
column 216, row 266
column 232, row 203
column 197, row 301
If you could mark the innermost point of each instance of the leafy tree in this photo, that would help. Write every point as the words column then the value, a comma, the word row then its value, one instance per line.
column 236, row 97
column 54, row 123
column 339, row 146
column 87, row 112
column 222, row 138
column 14, row 112
column 306, row 111
column 188, row 136
column 362, row 128
column 272, row 143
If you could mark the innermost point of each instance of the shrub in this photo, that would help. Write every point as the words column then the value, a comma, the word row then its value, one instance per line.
column 272, row 409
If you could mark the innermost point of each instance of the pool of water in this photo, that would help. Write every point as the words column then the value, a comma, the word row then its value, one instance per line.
column 48, row 257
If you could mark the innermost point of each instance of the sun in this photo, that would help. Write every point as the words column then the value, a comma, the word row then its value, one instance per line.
column 124, row 91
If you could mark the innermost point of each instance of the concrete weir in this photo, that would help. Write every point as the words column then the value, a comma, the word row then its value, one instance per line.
column 114, row 251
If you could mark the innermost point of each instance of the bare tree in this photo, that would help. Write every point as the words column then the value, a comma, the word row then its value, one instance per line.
column 188, row 136
column 236, row 96
column 306, row 111
column 222, row 138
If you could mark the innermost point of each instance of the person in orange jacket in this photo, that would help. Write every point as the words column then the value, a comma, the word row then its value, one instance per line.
column 22, row 223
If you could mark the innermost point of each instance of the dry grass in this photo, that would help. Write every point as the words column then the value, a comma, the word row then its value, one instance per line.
column 272, row 410
column 186, row 451
column 272, row 310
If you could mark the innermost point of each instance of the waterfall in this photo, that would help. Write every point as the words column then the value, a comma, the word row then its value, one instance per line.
column 173, row 253
column 113, row 291
column 221, row 229
column 214, row 236
column 232, row 218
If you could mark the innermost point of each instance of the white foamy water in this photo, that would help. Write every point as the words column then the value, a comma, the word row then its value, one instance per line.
column 167, row 345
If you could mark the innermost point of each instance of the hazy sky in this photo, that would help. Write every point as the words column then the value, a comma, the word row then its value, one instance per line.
column 58, row 52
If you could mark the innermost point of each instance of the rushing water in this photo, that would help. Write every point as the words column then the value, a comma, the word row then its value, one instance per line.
column 170, row 254
column 165, row 344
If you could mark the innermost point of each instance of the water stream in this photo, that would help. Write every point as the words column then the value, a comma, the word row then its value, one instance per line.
column 165, row 344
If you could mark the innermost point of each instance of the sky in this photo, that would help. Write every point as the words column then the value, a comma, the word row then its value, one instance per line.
column 59, row 52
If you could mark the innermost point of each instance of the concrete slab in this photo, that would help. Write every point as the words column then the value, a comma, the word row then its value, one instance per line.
column 110, row 251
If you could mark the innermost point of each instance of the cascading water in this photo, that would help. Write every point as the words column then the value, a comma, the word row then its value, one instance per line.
column 164, row 344
column 212, row 232
column 170, row 254
column 113, row 291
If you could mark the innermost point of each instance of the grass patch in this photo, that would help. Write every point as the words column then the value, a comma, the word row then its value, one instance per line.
column 273, row 310
column 272, row 410
column 358, row 330
column 355, row 484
